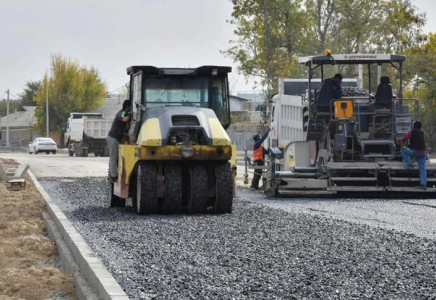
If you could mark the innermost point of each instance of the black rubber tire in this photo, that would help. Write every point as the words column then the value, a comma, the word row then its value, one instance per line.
column 54, row 152
column 146, row 188
column 115, row 201
column 224, row 188
column 173, row 189
column 70, row 153
column 47, row 152
column 198, row 187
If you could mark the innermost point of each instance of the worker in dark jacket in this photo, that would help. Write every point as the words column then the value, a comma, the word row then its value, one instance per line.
column 115, row 136
column 337, row 89
column 415, row 150
column 259, row 158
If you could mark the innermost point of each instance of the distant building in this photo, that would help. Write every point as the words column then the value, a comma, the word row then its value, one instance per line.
column 238, row 103
column 255, row 99
column 20, row 124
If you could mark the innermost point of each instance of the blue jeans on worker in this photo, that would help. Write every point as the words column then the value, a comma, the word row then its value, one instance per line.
column 407, row 154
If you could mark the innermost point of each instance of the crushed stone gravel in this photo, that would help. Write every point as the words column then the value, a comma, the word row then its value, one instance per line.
column 254, row 253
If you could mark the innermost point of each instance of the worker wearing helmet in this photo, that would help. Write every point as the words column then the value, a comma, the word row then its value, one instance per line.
column 258, row 156
column 415, row 150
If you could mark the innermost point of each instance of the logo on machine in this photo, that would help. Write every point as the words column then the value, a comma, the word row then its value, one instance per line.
column 361, row 56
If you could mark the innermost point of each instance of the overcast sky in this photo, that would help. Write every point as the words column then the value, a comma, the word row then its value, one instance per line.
column 110, row 35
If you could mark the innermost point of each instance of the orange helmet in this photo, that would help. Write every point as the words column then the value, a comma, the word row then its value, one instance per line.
column 327, row 52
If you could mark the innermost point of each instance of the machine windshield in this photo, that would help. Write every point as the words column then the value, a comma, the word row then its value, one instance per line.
column 176, row 92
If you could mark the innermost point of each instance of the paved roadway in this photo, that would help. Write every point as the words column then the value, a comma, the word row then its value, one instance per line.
column 408, row 215
column 61, row 165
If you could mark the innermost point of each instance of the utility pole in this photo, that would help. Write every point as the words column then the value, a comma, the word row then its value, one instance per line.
column 7, row 119
column 46, row 110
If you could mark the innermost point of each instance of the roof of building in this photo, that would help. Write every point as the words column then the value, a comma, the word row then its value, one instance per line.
column 23, row 117
column 238, row 98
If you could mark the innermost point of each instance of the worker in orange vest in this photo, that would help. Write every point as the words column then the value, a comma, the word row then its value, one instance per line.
column 259, row 158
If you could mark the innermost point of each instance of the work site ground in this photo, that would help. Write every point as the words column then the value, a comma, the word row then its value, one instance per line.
column 29, row 263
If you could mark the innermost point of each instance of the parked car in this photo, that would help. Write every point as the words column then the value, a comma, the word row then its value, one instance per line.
column 42, row 144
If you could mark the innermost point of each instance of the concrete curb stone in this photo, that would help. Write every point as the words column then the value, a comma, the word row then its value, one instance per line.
column 93, row 280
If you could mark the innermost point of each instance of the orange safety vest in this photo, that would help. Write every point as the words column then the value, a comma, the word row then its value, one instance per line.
column 258, row 153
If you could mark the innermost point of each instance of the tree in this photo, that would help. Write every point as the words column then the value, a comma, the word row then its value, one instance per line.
column 322, row 15
column 27, row 97
column 401, row 28
column 13, row 105
column 269, row 35
column 272, row 33
column 72, row 88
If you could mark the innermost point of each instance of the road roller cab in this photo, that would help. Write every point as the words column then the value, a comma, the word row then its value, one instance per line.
column 176, row 154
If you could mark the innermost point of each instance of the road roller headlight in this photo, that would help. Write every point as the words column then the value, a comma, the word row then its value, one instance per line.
column 187, row 152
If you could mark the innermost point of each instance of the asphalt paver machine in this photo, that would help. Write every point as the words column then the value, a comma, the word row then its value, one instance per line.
column 319, row 145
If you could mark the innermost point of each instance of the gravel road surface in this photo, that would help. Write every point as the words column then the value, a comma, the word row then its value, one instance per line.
column 257, row 252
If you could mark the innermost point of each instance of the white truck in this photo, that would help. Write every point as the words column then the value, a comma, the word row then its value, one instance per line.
column 86, row 133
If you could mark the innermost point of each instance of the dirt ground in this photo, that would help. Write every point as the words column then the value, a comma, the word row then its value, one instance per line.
column 28, row 258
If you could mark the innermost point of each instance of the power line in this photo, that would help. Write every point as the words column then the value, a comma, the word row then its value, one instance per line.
column 123, row 86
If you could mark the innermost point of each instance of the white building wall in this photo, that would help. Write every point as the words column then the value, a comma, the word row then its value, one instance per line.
column 236, row 104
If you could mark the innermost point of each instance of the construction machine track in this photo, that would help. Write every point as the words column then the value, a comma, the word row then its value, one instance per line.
column 176, row 187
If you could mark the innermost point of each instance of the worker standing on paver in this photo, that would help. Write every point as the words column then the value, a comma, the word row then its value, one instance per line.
column 415, row 150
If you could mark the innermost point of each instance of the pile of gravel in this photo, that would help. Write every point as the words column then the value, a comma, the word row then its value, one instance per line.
column 254, row 253
column 354, row 92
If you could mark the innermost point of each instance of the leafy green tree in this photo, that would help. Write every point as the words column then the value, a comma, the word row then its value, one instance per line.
column 31, row 89
column 322, row 15
column 13, row 105
column 401, row 28
column 268, row 36
column 272, row 33
column 71, row 88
